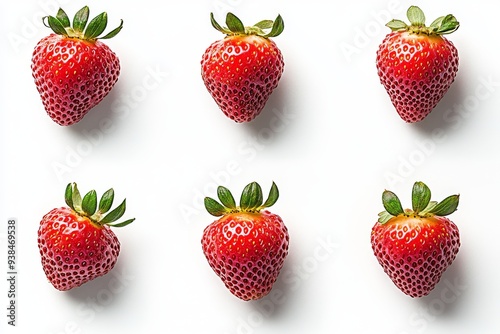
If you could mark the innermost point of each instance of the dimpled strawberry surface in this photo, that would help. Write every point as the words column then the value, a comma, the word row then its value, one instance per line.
column 247, row 252
column 73, row 250
column 73, row 76
column 415, row 252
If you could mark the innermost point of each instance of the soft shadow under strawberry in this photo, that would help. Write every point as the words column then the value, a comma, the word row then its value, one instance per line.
column 104, row 290
column 274, row 306
column 94, row 118
column 450, row 293
column 276, row 105
column 445, row 115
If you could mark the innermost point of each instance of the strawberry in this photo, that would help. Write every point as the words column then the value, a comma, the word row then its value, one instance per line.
column 73, row 70
column 416, row 246
column 416, row 64
column 242, row 70
column 75, row 242
column 246, row 247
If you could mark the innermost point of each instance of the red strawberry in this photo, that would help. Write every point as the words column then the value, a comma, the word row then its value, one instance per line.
column 246, row 247
column 73, row 70
column 242, row 70
column 416, row 64
column 75, row 242
column 416, row 246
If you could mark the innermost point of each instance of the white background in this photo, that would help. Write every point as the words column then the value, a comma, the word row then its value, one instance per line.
column 329, row 137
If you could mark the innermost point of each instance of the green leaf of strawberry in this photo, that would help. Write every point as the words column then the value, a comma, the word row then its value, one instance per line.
column 89, row 203
column 80, row 20
column 447, row 25
column 68, row 195
column 63, row 18
column 106, row 201
column 76, row 198
column 416, row 16
column 396, row 25
column 445, row 207
column 226, row 197
column 391, row 203
column 277, row 27
column 114, row 215
column 421, row 196
column 251, row 200
column 251, row 197
column 96, row 26
column 234, row 24
column 113, row 32
column 272, row 197
column 56, row 25
column 264, row 24
column 214, row 207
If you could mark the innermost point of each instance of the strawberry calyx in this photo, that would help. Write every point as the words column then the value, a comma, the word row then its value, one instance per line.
column 97, row 212
column 440, row 26
column 422, row 206
column 61, row 25
column 264, row 28
column 251, row 201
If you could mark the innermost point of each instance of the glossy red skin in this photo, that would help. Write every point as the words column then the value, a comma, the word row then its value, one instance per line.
column 415, row 251
column 241, row 72
column 74, row 250
column 416, row 71
column 73, row 76
column 247, row 251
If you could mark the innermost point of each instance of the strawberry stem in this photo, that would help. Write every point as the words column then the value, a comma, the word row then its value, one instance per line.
column 236, row 27
column 250, row 201
column 87, row 206
column 422, row 205
column 61, row 25
column 441, row 26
